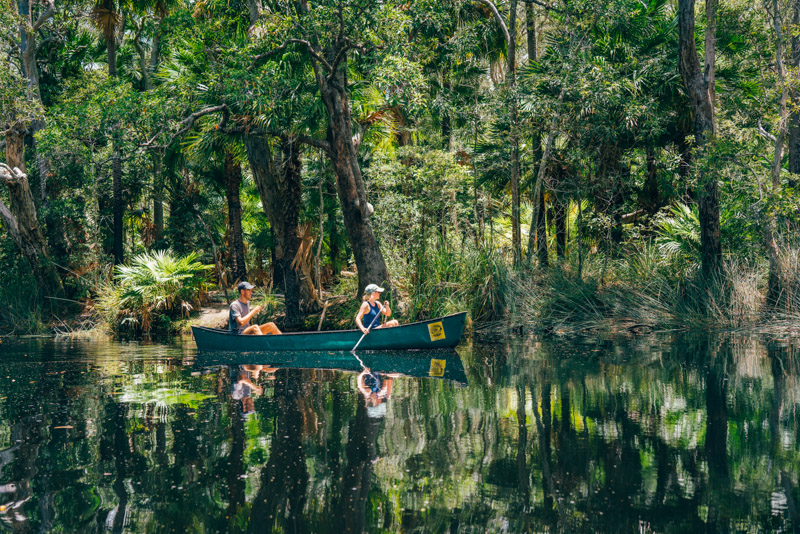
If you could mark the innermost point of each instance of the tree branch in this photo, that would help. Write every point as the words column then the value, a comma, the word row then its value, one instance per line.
column 542, row 4
column 46, row 41
column 765, row 134
column 317, row 143
column 187, row 123
column 308, row 46
column 499, row 18
column 44, row 16
column 11, row 176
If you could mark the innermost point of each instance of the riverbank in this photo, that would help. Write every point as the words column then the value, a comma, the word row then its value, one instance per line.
column 641, row 292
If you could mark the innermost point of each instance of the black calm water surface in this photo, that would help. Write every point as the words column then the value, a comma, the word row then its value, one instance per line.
column 657, row 434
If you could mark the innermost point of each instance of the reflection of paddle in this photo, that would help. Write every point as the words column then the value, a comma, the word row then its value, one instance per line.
column 380, row 309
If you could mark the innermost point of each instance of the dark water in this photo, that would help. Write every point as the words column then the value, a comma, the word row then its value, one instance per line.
column 661, row 434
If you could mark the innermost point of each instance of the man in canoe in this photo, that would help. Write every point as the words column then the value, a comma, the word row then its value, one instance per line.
column 241, row 314
column 371, row 308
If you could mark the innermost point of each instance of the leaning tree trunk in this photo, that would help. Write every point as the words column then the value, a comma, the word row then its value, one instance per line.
column 350, row 184
column 278, row 179
column 700, row 89
column 233, row 182
column 21, row 219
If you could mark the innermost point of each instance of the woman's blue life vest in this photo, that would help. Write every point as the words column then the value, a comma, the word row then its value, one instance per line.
column 366, row 320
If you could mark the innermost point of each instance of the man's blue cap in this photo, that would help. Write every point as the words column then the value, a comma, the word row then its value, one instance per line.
column 245, row 285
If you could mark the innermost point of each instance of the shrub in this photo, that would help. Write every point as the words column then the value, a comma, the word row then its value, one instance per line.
column 155, row 286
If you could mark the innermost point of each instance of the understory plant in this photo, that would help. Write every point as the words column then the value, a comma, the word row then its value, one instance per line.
column 153, row 289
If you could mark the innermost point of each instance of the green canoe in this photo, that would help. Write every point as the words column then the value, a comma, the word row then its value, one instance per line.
column 444, row 364
column 440, row 333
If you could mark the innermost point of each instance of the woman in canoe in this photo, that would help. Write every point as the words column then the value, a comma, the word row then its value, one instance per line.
column 371, row 308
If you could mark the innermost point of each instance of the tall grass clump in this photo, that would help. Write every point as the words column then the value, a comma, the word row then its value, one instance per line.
column 447, row 279
column 154, row 289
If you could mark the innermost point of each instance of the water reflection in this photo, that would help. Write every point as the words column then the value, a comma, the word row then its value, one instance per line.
column 675, row 434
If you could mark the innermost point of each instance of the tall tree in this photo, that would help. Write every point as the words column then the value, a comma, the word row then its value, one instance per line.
column 328, row 35
column 147, row 67
column 109, row 20
column 233, row 182
column 277, row 174
column 699, row 83
column 28, row 47
column 18, row 110
column 774, row 289
column 794, row 117
column 510, row 34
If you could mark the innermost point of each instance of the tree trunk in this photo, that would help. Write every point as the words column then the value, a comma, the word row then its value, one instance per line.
column 560, row 209
column 333, row 227
column 158, row 197
column 254, row 7
column 516, row 234
column 774, row 285
column 118, row 205
column 530, row 31
column 447, row 127
column 649, row 199
column 278, row 179
column 538, row 193
column 21, row 219
column 28, row 48
column 350, row 184
column 233, row 182
column 541, row 234
column 700, row 89
column 794, row 118
column 116, row 166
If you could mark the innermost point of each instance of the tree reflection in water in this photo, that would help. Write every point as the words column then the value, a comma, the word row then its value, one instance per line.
column 679, row 434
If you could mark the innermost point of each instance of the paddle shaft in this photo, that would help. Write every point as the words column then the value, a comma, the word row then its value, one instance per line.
column 380, row 309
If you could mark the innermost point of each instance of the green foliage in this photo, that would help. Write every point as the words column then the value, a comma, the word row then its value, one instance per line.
column 155, row 286
column 679, row 233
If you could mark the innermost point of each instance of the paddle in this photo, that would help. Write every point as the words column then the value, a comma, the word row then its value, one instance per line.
column 380, row 309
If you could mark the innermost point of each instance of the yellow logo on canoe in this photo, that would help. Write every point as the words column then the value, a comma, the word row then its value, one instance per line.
column 437, row 367
column 436, row 330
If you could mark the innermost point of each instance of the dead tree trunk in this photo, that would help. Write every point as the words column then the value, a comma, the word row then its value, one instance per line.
column 21, row 219
column 699, row 84
column 277, row 176
column 233, row 182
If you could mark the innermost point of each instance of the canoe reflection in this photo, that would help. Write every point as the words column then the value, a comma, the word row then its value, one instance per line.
column 443, row 364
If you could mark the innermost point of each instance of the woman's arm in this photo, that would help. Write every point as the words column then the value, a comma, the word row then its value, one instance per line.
column 361, row 311
column 386, row 310
column 362, row 387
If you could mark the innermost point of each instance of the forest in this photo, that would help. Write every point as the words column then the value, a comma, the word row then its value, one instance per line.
column 553, row 165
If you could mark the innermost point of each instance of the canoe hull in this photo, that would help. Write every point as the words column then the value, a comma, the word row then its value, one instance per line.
column 440, row 333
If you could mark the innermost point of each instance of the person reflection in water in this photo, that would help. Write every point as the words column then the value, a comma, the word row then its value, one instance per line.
column 244, row 385
column 377, row 389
